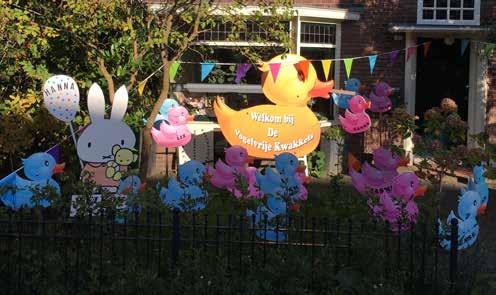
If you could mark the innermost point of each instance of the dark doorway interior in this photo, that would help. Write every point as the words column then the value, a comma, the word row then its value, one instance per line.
column 443, row 72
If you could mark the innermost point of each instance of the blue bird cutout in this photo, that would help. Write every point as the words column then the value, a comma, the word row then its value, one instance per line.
column 479, row 185
column 163, row 112
column 282, row 182
column 341, row 100
column 267, row 222
column 186, row 193
column 468, row 228
column 18, row 191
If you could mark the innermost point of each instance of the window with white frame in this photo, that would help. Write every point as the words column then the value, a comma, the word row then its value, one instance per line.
column 448, row 12
column 317, row 41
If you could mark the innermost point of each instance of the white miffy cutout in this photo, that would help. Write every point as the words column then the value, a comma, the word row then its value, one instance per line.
column 96, row 103
column 96, row 142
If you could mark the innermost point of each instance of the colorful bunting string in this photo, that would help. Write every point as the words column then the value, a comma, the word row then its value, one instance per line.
column 409, row 52
column 393, row 55
column 302, row 67
column 173, row 70
column 427, row 45
column 372, row 61
column 274, row 70
column 206, row 68
column 326, row 66
column 348, row 63
column 241, row 70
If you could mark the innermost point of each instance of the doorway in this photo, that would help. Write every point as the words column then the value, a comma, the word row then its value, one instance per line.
column 442, row 72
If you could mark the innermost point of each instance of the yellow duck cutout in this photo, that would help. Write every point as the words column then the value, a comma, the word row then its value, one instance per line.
column 289, row 125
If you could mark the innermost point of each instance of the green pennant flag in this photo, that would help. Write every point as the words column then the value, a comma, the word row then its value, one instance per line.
column 348, row 63
column 173, row 70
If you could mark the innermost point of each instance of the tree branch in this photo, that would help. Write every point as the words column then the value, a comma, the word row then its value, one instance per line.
column 108, row 78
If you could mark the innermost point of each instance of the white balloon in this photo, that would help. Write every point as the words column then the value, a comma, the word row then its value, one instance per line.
column 61, row 97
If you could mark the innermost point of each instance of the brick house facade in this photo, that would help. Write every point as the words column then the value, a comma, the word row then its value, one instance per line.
column 364, row 27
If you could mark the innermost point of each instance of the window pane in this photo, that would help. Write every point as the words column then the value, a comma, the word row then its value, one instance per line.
column 318, row 33
column 441, row 14
column 468, row 3
column 468, row 15
column 428, row 3
column 455, row 14
column 442, row 3
column 428, row 14
column 456, row 3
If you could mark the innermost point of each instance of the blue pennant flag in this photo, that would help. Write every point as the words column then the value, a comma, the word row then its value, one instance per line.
column 372, row 60
column 464, row 46
column 206, row 68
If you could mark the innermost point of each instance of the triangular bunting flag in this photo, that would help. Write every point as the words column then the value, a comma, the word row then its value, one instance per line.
column 274, row 69
column 326, row 66
column 173, row 70
column 372, row 60
column 241, row 70
column 55, row 152
column 348, row 63
column 206, row 68
column 409, row 52
column 393, row 55
column 464, row 46
column 141, row 87
column 427, row 45
column 302, row 67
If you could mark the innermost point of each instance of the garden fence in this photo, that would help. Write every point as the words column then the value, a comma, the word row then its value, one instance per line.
column 39, row 247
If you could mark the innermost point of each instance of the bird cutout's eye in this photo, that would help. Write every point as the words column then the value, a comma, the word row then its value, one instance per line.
column 47, row 163
column 412, row 183
column 89, row 144
column 291, row 162
column 197, row 170
column 241, row 154
column 475, row 203
column 122, row 142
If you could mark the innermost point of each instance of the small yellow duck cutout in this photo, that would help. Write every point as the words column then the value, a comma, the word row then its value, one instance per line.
column 287, row 126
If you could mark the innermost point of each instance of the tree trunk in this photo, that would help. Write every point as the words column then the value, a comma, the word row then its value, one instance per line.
column 145, row 152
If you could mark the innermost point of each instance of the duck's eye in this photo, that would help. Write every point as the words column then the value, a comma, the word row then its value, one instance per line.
column 197, row 170
column 89, row 144
column 412, row 183
column 475, row 203
column 291, row 162
column 122, row 141
column 241, row 154
column 47, row 163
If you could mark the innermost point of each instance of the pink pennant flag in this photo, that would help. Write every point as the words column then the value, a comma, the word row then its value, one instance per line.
column 409, row 52
column 274, row 69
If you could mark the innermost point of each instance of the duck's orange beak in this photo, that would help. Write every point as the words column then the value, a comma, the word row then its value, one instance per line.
column 353, row 162
column 321, row 89
column 368, row 104
column 59, row 168
column 191, row 118
column 249, row 160
column 420, row 191
column 142, row 187
column 482, row 210
column 403, row 162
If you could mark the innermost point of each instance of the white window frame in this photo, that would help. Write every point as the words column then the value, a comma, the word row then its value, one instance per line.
column 422, row 21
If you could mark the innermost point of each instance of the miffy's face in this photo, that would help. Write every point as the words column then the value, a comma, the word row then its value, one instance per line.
column 96, row 142
column 236, row 155
column 177, row 115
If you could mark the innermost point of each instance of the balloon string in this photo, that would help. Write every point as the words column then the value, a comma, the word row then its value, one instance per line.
column 75, row 142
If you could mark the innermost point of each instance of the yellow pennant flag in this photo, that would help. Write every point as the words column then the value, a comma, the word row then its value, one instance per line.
column 326, row 66
column 141, row 87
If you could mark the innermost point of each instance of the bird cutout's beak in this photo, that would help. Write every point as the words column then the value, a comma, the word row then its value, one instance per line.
column 190, row 118
column 142, row 187
column 420, row 191
column 368, row 104
column 127, row 190
column 321, row 89
column 249, row 160
column 354, row 163
column 482, row 210
column 403, row 162
column 208, row 175
column 59, row 168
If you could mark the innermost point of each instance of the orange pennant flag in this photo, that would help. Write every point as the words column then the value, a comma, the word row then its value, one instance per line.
column 302, row 68
column 427, row 45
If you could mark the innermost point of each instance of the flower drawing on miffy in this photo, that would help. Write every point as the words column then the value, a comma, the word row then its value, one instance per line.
column 123, row 157
column 96, row 145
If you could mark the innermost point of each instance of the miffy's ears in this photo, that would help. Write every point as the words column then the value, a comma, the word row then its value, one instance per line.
column 96, row 103
column 119, row 106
